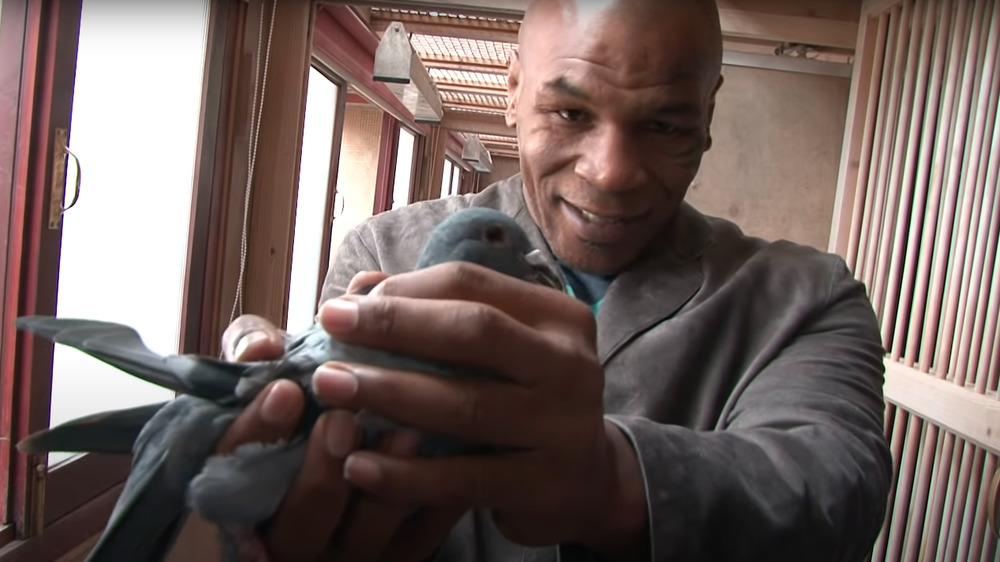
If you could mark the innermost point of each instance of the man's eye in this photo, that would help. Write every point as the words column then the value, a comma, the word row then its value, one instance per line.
column 572, row 115
column 663, row 127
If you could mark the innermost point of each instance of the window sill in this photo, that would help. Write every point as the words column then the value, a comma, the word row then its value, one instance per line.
column 63, row 535
column 77, row 482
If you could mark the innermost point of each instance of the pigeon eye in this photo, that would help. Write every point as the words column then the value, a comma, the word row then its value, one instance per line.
column 494, row 235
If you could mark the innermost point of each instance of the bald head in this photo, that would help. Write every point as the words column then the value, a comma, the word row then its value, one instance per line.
column 654, row 22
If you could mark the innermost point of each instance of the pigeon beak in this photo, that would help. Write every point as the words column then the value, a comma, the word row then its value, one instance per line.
column 547, row 274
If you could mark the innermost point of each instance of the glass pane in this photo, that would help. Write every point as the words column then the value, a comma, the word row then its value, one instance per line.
column 446, row 179
column 456, row 179
column 124, row 245
column 310, row 209
column 404, row 169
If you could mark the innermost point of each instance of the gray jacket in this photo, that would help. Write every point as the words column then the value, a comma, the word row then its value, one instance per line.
column 747, row 374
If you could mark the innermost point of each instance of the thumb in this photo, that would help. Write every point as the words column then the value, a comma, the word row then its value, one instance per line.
column 252, row 338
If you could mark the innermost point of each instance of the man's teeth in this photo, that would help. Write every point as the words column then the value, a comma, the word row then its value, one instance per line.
column 597, row 218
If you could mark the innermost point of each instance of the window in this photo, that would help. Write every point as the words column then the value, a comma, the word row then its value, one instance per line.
column 124, row 244
column 446, row 178
column 311, row 206
column 456, row 179
column 404, row 169
column 125, row 81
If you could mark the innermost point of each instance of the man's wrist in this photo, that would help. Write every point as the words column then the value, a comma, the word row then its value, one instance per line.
column 623, row 531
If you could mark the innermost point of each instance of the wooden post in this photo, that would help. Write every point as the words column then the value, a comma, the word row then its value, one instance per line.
column 853, row 182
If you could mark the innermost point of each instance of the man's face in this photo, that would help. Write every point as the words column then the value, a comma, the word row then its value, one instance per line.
column 613, row 117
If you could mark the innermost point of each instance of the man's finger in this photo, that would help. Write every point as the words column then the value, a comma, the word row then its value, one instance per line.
column 314, row 506
column 252, row 338
column 529, row 303
column 487, row 411
column 273, row 415
column 460, row 333
column 371, row 523
column 496, row 480
column 365, row 279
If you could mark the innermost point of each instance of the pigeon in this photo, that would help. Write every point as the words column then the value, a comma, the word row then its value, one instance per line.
column 174, row 467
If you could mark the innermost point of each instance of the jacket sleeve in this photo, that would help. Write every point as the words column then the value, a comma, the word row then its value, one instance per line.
column 797, row 469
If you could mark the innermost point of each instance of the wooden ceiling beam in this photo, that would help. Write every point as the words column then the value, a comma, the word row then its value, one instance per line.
column 476, row 108
column 446, row 27
column 474, row 122
column 501, row 148
column 508, row 9
column 449, row 86
column 792, row 29
column 431, row 61
column 494, row 152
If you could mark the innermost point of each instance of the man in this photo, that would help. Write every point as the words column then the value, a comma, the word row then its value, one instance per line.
column 705, row 395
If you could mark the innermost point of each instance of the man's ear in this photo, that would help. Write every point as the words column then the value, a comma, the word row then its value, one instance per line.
column 513, row 89
column 711, row 113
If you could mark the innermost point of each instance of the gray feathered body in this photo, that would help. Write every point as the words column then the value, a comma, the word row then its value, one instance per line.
column 174, row 466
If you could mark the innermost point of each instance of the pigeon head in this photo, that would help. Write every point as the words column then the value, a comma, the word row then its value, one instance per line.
column 492, row 239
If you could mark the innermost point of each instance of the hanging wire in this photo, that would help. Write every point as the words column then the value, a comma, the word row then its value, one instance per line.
column 257, row 106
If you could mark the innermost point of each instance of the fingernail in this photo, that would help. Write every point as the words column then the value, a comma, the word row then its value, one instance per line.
column 334, row 384
column 246, row 341
column 340, row 315
column 361, row 470
column 340, row 433
column 275, row 406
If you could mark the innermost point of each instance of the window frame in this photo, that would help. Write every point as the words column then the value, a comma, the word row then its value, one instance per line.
column 49, row 512
column 388, row 145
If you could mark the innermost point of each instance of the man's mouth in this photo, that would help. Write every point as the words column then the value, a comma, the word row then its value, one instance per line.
column 606, row 217
column 602, row 227
column 600, row 219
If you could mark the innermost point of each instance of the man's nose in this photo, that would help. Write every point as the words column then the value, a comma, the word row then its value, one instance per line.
column 610, row 160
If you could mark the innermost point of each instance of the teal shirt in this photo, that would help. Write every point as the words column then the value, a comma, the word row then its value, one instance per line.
column 586, row 287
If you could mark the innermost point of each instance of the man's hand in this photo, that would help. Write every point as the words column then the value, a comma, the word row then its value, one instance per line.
column 322, row 517
column 566, row 476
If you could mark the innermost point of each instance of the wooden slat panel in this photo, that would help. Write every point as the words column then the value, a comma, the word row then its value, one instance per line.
column 896, row 433
column 942, row 242
column 903, row 94
column 956, row 333
column 974, row 416
column 941, row 133
column 872, row 192
column 950, row 545
column 933, row 523
column 862, row 108
column 988, row 220
column 897, row 300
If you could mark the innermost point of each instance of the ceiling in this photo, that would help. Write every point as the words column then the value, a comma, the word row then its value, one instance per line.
column 467, row 58
column 466, row 45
